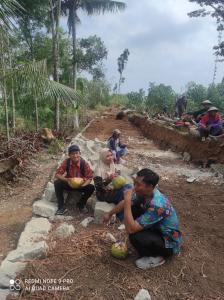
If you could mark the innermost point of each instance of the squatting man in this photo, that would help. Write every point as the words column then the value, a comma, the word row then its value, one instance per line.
column 150, row 220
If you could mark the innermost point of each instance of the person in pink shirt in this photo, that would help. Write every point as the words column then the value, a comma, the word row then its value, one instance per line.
column 211, row 123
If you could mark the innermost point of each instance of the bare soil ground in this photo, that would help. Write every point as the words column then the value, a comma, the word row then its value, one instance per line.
column 16, row 199
column 84, row 259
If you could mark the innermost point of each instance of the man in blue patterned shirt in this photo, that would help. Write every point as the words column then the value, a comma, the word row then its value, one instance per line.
column 150, row 221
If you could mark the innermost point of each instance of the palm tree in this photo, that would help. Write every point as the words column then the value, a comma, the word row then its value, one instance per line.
column 70, row 8
column 91, row 7
column 30, row 78
column 55, row 6
column 8, row 10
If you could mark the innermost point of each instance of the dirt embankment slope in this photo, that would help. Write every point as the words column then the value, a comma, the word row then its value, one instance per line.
column 167, row 137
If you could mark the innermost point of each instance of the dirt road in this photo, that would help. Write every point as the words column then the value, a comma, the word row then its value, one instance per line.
column 197, row 273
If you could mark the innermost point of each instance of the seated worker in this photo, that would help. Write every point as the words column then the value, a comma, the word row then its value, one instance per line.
column 150, row 221
column 114, row 144
column 74, row 166
column 104, row 174
column 197, row 115
column 211, row 123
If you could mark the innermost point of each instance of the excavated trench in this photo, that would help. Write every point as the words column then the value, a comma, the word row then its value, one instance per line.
column 168, row 137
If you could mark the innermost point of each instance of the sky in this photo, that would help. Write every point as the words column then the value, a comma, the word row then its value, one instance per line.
column 165, row 44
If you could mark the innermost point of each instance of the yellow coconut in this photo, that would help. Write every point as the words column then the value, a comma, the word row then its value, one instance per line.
column 119, row 250
column 118, row 182
column 76, row 182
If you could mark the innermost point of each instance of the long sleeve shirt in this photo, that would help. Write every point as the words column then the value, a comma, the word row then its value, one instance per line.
column 207, row 120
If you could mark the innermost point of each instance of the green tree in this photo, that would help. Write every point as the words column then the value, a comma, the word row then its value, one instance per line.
column 55, row 6
column 70, row 8
column 137, row 100
column 91, row 52
column 160, row 97
column 196, row 93
column 215, row 94
column 33, row 19
column 215, row 9
column 9, row 9
column 122, row 61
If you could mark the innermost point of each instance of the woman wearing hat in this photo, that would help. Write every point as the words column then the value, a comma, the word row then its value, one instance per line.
column 211, row 123
column 197, row 115
column 114, row 144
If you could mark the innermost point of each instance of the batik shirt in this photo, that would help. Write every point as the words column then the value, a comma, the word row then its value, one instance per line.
column 160, row 214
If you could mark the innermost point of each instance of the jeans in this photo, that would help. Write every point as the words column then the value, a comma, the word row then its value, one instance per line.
column 119, row 153
column 61, row 186
column 148, row 242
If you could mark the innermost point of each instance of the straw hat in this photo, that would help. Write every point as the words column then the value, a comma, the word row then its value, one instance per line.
column 213, row 108
column 206, row 102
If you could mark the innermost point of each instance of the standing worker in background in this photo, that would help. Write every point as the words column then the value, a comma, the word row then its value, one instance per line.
column 180, row 106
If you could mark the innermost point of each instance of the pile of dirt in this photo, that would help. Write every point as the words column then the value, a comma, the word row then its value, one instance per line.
column 167, row 137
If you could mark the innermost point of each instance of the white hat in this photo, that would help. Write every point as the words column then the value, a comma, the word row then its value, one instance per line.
column 213, row 108
column 206, row 102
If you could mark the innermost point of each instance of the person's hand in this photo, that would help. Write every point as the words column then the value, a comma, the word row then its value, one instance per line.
column 209, row 127
column 128, row 194
column 68, row 180
column 198, row 117
column 106, row 218
column 111, row 176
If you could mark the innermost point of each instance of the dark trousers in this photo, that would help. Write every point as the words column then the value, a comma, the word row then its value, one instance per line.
column 215, row 131
column 148, row 242
column 61, row 186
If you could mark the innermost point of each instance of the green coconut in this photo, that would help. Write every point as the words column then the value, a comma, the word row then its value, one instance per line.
column 118, row 182
column 119, row 250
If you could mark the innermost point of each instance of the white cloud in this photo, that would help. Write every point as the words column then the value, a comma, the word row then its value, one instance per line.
column 166, row 46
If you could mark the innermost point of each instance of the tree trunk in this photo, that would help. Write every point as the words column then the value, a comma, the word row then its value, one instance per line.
column 55, row 22
column 4, row 93
column 36, row 113
column 6, row 110
column 119, row 84
column 13, row 109
column 57, row 62
column 74, row 64
column 13, row 96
